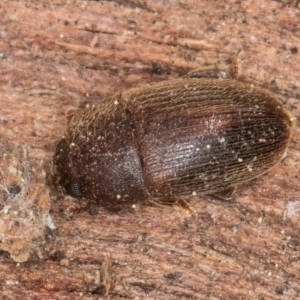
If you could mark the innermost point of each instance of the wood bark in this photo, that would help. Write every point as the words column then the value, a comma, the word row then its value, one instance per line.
column 57, row 55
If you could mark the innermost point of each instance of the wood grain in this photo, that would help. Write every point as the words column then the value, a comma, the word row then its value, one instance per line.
column 56, row 56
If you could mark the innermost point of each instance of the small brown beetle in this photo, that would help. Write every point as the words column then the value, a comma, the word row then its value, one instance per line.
column 167, row 141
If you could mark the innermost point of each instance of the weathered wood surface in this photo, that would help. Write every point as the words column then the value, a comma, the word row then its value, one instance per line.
column 56, row 55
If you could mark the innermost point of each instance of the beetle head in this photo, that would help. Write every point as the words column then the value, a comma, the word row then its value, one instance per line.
column 64, row 173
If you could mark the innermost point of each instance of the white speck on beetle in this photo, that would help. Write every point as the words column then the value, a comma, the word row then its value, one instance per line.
column 194, row 193
column 262, row 140
column 240, row 159
column 118, row 196
column 208, row 146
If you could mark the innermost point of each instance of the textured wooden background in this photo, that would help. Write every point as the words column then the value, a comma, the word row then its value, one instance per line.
column 56, row 55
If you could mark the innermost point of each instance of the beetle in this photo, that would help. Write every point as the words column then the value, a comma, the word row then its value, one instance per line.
column 206, row 133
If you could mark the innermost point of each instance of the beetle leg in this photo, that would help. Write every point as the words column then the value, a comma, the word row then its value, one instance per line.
column 225, row 72
column 226, row 194
column 72, row 210
column 175, row 202
column 185, row 206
